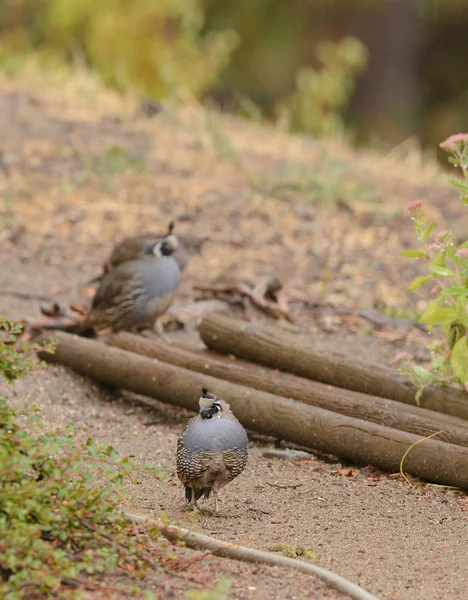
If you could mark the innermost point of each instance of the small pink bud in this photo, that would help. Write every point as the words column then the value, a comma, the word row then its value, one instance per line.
column 399, row 357
column 435, row 247
column 451, row 142
column 436, row 288
column 462, row 253
column 412, row 206
column 441, row 235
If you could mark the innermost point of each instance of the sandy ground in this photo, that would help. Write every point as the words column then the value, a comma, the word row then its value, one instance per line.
column 396, row 541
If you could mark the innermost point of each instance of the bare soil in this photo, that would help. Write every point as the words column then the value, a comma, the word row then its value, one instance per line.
column 82, row 168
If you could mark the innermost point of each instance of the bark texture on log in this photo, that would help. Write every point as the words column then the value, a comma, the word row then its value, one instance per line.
column 382, row 411
column 354, row 439
column 295, row 353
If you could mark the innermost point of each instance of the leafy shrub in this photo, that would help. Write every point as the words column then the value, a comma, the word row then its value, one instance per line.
column 16, row 356
column 59, row 520
column 317, row 104
column 154, row 47
column 448, row 274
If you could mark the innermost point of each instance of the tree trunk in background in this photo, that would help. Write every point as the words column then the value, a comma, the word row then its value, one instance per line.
column 387, row 98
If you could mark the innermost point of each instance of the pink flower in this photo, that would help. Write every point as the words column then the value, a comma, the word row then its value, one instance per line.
column 399, row 357
column 451, row 142
column 440, row 237
column 462, row 253
column 435, row 247
column 412, row 206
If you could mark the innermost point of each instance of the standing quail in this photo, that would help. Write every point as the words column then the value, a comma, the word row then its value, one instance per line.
column 136, row 293
column 131, row 248
column 212, row 451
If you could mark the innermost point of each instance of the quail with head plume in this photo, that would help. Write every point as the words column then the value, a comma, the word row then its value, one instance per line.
column 212, row 450
column 189, row 244
column 136, row 293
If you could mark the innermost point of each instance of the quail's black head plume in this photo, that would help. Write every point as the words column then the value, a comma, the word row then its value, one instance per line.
column 212, row 451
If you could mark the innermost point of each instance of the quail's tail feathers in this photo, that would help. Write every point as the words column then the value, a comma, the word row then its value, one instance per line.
column 79, row 328
column 198, row 494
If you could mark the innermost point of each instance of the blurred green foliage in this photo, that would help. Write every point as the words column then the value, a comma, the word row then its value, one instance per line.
column 161, row 49
column 252, row 56
column 154, row 47
column 316, row 106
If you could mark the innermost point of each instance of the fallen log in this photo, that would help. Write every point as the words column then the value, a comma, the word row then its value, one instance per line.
column 295, row 353
column 382, row 411
column 352, row 439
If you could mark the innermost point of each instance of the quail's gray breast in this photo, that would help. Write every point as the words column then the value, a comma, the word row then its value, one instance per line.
column 210, row 454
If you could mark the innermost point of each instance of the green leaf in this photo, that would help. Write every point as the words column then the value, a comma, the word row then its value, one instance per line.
column 418, row 396
column 424, row 374
column 451, row 251
column 459, row 359
column 439, row 259
column 462, row 185
column 442, row 271
column 414, row 253
column 416, row 283
column 428, row 231
column 454, row 290
column 436, row 315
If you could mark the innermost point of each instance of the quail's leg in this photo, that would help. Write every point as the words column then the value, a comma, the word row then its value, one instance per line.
column 159, row 329
column 215, row 494
column 192, row 505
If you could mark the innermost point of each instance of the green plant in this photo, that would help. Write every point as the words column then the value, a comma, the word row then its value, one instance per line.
column 317, row 104
column 448, row 274
column 17, row 358
column 218, row 592
column 60, row 524
column 156, row 48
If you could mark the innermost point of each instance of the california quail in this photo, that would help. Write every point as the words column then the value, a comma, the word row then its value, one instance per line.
column 131, row 248
column 136, row 293
column 212, row 451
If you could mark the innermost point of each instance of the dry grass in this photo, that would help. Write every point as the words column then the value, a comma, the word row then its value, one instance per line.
column 86, row 167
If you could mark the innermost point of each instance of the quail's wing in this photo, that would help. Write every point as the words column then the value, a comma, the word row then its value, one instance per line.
column 116, row 283
column 191, row 465
column 235, row 461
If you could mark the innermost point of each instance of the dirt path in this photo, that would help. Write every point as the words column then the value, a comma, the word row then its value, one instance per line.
column 80, row 176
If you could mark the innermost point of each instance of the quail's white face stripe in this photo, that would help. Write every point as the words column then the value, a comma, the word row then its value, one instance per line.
column 157, row 249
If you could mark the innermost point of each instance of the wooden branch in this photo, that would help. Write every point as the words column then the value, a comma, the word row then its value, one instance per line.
column 275, row 309
column 198, row 541
column 352, row 439
column 394, row 414
column 298, row 353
